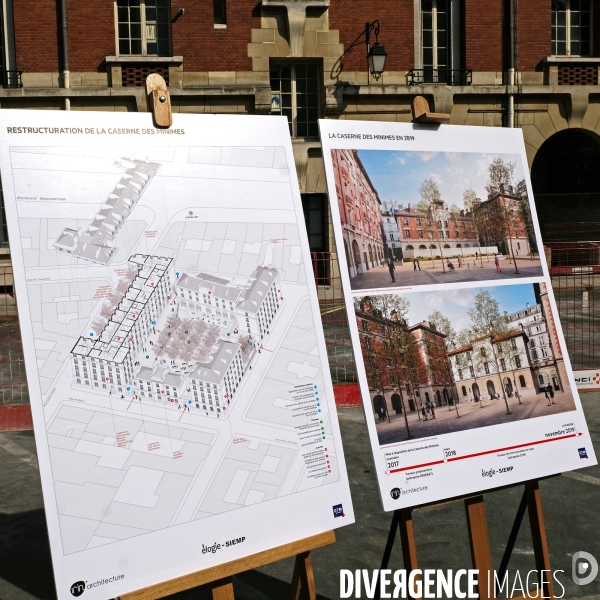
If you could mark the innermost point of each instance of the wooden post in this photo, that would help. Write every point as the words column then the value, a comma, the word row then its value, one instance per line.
column 481, row 554
column 407, row 539
column 222, row 589
column 303, row 578
column 538, row 534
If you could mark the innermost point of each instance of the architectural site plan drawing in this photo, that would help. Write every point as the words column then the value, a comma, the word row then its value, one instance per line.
column 180, row 389
column 461, row 360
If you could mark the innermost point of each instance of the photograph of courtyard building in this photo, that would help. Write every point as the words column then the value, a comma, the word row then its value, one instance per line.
column 422, row 218
column 440, row 363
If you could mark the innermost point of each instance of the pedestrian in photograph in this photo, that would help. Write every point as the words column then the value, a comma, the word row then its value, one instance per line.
column 497, row 263
column 418, row 263
column 423, row 413
column 545, row 388
column 391, row 268
column 551, row 392
column 381, row 413
column 414, row 264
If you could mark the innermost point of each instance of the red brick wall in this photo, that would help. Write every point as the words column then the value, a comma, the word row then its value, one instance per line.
column 205, row 48
column 91, row 34
column 397, row 30
column 483, row 34
column 533, row 33
column 36, row 35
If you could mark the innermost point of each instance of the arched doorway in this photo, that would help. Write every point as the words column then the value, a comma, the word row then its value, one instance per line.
column 379, row 405
column 366, row 260
column 397, row 403
column 508, row 387
column 411, row 405
column 371, row 255
column 476, row 392
column 566, row 185
column 438, row 398
column 427, row 397
column 356, row 254
column 347, row 254
column 491, row 388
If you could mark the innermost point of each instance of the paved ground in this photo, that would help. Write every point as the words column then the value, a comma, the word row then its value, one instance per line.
column 571, row 510
column 471, row 415
column 379, row 277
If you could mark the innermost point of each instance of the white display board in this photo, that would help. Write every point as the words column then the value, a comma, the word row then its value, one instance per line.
column 180, row 389
column 462, row 364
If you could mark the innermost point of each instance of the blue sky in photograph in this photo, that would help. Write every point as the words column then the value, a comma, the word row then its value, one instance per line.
column 454, row 304
column 397, row 175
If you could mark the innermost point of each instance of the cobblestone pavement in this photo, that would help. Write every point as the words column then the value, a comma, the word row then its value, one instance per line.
column 471, row 415
column 405, row 275
column 570, row 511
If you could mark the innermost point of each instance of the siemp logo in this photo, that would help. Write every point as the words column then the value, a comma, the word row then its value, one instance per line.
column 78, row 588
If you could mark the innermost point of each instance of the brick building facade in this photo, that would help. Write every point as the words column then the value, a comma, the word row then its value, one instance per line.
column 407, row 365
column 360, row 212
column 288, row 57
column 452, row 235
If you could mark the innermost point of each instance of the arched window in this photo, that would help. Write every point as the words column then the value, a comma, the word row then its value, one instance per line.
column 522, row 381
column 422, row 247
column 446, row 246
column 464, row 390
column 433, row 247
column 409, row 247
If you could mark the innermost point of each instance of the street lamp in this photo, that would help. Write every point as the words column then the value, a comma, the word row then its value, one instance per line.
column 376, row 60
column 376, row 55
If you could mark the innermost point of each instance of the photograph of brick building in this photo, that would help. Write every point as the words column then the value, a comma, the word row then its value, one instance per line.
column 435, row 227
column 360, row 212
column 472, row 360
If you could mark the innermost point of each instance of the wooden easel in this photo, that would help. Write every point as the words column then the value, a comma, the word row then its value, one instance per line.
column 219, row 578
column 479, row 541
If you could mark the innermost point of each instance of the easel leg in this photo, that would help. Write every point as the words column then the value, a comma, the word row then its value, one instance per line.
column 385, row 561
column 407, row 539
column 222, row 589
column 538, row 534
column 303, row 578
column 480, row 545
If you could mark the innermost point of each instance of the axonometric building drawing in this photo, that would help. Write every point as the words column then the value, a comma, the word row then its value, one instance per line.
column 106, row 361
column 96, row 242
column 218, row 301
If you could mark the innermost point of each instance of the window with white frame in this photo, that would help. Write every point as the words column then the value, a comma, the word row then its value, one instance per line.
column 571, row 31
column 295, row 94
column 143, row 27
column 435, row 33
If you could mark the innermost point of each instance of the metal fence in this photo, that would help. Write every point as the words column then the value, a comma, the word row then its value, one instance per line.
column 575, row 273
column 13, row 383
column 574, row 268
column 333, row 315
